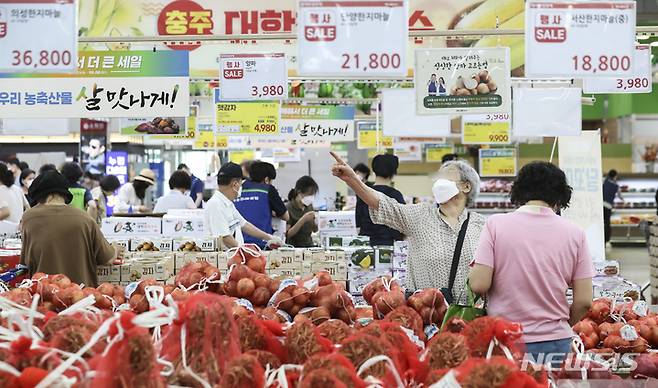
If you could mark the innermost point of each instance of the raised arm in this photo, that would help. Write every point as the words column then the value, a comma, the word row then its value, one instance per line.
column 344, row 172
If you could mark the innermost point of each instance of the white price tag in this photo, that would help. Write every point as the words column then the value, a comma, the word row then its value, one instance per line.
column 353, row 38
column 569, row 38
column 639, row 82
column 253, row 76
column 640, row 308
column 628, row 333
column 54, row 48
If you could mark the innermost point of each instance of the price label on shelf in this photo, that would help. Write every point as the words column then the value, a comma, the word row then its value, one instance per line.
column 369, row 137
column 486, row 129
column 575, row 38
column 239, row 156
column 353, row 38
column 253, row 76
column 55, row 46
column 639, row 82
column 435, row 152
column 497, row 162
column 248, row 118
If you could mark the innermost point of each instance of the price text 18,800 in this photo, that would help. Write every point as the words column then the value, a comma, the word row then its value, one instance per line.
column 603, row 64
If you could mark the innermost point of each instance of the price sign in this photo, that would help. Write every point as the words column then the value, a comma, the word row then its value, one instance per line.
column 486, row 129
column 639, row 82
column 370, row 137
column 253, row 76
column 205, row 138
column 569, row 38
column 247, row 118
column 358, row 38
column 497, row 162
column 239, row 156
column 54, row 47
column 435, row 152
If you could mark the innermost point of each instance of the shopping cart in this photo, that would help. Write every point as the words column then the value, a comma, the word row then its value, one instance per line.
column 14, row 276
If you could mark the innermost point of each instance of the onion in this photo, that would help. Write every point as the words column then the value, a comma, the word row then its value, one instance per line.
column 262, row 280
column 261, row 296
column 245, row 287
column 284, row 301
column 300, row 296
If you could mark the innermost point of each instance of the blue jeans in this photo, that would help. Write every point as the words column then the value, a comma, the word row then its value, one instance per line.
column 557, row 348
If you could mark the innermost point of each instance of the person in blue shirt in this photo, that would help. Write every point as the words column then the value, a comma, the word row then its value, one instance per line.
column 610, row 192
column 196, row 190
column 259, row 201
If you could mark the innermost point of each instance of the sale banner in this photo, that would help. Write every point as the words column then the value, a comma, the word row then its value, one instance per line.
column 369, row 136
column 639, row 82
column 455, row 80
column 435, row 152
column 56, row 46
column 352, row 38
column 497, row 162
column 253, row 76
column 333, row 123
column 486, row 129
column 247, row 118
column 107, row 84
column 575, row 38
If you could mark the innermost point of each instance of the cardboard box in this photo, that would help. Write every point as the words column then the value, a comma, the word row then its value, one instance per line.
column 400, row 255
column 286, row 272
column 346, row 241
column 607, row 267
column 195, row 244
column 336, row 233
column 143, row 265
column 358, row 278
column 131, row 226
column 156, row 244
column 360, row 257
column 122, row 242
column 182, row 258
column 336, row 220
column 384, row 257
column 320, row 255
column 108, row 274
column 183, row 226
column 337, row 270
column 285, row 258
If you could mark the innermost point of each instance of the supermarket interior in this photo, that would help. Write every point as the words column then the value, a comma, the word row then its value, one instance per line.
column 349, row 193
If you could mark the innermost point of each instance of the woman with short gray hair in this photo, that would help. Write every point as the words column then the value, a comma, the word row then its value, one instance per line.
column 437, row 232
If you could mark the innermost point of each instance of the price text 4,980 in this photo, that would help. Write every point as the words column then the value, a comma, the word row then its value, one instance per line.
column 45, row 58
column 265, row 128
column 373, row 62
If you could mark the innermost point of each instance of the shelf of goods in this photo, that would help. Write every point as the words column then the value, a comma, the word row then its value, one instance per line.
column 639, row 192
column 653, row 257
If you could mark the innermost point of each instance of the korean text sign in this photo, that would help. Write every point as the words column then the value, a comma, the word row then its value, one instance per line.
column 454, row 80
column 369, row 136
column 567, row 38
column 486, row 129
column 116, row 163
column 107, row 84
column 325, row 122
column 253, row 76
column 496, row 162
column 352, row 38
column 55, row 46
column 247, row 118
column 640, row 81
column 435, row 152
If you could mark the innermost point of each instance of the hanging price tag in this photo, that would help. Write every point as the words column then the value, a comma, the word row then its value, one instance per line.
column 353, row 38
column 38, row 35
column 253, row 76
column 497, row 162
column 486, row 129
column 247, row 118
column 639, row 82
column 240, row 156
column 370, row 137
column 569, row 38
column 205, row 138
column 434, row 152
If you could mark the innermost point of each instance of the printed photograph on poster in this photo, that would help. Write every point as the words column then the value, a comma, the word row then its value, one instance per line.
column 93, row 140
column 156, row 126
column 455, row 80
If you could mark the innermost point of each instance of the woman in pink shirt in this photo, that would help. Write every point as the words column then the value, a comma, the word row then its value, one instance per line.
column 527, row 259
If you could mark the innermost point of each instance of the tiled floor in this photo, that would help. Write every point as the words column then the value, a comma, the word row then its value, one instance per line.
column 633, row 262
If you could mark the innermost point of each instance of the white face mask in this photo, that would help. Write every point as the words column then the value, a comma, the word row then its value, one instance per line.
column 308, row 200
column 28, row 182
column 238, row 191
column 444, row 190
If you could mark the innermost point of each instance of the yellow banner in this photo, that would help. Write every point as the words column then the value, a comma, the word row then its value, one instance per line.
column 205, row 140
column 368, row 140
column 248, row 118
column 239, row 156
column 497, row 162
column 434, row 153
column 486, row 132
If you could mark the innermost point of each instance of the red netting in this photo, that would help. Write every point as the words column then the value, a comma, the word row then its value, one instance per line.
column 255, row 334
column 361, row 347
column 480, row 332
column 243, row 371
column 304, row 340
column 335, row 330
column 485, row 373
column 70, row 333
column 321, row 379
column 338, row 365
column 208, row 333
column 265, row 358
column 446, row 350
column 409, row 318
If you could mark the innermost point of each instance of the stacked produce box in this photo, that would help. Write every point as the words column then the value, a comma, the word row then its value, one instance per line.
column 653, row 254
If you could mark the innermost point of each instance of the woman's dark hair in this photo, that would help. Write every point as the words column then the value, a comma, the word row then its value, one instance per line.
column 304, row 185
column 362, row 168
column 180, row 180
column 47, row 167
column 612, row 174
column 110, row 183
column 6, row 176
column 140, row 188
column 258, row 171
column 24, row 174
column 385, row 166
column 541, row 181
column 72, row 172
column 23, row 166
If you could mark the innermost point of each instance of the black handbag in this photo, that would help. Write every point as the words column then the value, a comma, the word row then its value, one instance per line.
column 447, row 292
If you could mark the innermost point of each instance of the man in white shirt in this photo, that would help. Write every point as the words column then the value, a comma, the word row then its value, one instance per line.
column 223, row 218
column 179, row 183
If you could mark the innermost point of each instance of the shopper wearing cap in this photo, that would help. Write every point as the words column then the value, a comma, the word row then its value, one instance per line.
column 433, row 231
column 132, row 195
column 223, row 218
column 527, row 260
column 58, row 238
column 384, row 167
column 109, row 184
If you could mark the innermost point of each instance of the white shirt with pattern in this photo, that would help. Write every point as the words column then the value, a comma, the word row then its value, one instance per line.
column 431, row 243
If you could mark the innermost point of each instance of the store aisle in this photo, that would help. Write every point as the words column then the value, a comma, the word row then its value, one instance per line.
column 633, row 262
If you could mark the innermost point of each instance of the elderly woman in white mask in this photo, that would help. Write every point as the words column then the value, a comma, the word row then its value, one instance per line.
column 439, row 234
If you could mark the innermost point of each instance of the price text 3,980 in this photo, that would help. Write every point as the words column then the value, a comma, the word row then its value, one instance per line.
column 632, row 83
column 267, row 90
